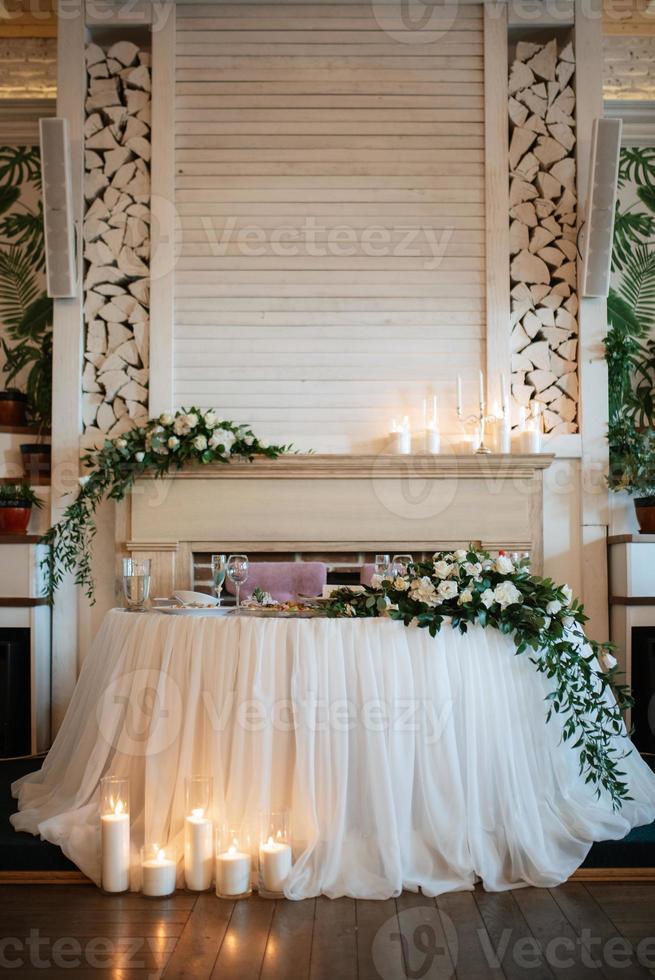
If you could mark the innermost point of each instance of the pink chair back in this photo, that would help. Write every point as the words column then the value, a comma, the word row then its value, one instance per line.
column 284, row 580
column 366, row 573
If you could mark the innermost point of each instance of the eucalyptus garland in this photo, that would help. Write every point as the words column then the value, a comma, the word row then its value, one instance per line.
column 468, row 587
column 167, row 443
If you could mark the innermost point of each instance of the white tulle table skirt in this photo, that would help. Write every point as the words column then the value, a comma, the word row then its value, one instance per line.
column 405, row 761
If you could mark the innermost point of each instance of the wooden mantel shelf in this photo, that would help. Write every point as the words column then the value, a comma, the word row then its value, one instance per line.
column 382, row 466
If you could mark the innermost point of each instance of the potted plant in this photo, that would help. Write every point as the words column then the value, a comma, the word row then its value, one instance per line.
column 16, row 502
column 13, row 408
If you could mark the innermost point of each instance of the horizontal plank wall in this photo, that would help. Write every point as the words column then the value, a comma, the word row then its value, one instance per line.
column 330, row 197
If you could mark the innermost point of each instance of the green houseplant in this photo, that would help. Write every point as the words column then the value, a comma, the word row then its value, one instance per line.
column 25, row 308
column 629, row 345
column 16, row 503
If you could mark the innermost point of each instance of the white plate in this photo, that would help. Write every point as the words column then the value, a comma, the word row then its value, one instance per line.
column 187, row 611
column 189, row 598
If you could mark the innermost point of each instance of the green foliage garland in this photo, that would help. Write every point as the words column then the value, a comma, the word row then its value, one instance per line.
column 470, row 588
column 161, row 445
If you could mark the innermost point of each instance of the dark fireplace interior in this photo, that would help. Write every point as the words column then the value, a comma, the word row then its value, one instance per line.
column 643, row 688
column 15, row 733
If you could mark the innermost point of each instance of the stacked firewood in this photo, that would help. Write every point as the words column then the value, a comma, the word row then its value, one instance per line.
column 116, row 239
column 543, row 230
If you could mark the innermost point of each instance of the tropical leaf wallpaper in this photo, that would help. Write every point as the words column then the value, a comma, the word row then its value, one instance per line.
column 630, row 342
column 25, row 310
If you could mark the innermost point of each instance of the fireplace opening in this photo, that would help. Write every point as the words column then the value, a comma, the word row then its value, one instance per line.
column 15, row 701
column 643, row 688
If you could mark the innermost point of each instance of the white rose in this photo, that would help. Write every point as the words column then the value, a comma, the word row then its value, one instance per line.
column 83, row 480
column 460, row 555
column 222, row 437
column 474, row 569
column 504, row 565
column 487, row 564
column 211, row 420
column 249, row 440
column 200, row 443
column 606, row 661
column 488, row 598
column 547, row 622
column 400, row 584
column 568, row 594
column 173, row 442
column 160, row 450
column 423, row 590
column 568, row 622
column 350, row 610
column 553, row 607
column 192, row 420
column 447, row 590
column 139, row 457
column 443, row 568
column 376, row 581
column 181, row 426
column 465, row 596
column 507, row 594
column 121, row 444
column 166, row 419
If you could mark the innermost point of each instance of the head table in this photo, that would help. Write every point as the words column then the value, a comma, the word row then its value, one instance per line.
column 405, row 761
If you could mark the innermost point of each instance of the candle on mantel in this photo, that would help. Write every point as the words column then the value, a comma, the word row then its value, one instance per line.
column 535, row 429
column 401, row 436
column 505, row 436
column 482, row 400
column 274, row 865
column 158, row 872
column 115, row 847
column 198, row 850
column 432, row 434
column 459, row 396
column 233, row 872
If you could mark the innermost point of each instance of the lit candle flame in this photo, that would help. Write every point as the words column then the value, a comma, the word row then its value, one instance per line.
column 270, row 842
column 161, row 855
column 231, row 849
column 119, row 807
column 198, row 813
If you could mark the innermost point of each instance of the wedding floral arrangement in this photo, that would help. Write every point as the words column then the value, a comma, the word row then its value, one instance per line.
column 468, row 587
column 169, row 442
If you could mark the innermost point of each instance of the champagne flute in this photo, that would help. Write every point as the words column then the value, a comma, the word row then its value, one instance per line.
column 219, row 569
column 136, row 582
column 382, row 565
column 237, row 572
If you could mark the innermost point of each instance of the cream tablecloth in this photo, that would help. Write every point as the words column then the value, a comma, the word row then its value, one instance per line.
column 405, row 760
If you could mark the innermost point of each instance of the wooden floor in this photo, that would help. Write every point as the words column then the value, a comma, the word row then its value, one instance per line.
column 575, row 931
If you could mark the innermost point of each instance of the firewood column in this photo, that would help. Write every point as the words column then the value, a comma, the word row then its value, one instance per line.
column 543, row 232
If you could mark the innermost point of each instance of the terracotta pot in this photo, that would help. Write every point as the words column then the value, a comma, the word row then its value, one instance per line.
column 36, row 461
column 13, row 408
column 14, row 516
column 645, row 510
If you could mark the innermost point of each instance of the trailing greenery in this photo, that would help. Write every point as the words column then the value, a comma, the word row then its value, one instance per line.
column 25, row 308
column 629, row 345
column 21, row 492
column 468, row 587
column 170, row 442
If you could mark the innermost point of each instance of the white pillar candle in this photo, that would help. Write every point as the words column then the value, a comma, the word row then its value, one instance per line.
column 232, row 873
column 533, row 435
column 505, row 434
column 401, row 437
column 198, row 851
column 158, row 875
column 432, row 440
column 115, row 846
column 274, row 864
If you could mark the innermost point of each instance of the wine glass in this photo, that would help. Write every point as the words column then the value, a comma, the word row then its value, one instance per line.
column 219, row 569
column 382, row 565
column 136, row 582
column 237, row 572
column 401, row 563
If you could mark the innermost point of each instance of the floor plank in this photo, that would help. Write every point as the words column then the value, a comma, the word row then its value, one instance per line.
column 242, row 952
column 288, row 950
column 334, row 946
column 471, row 948
column 200, row 942
column 558, row 940
column 426, row 950
column 378, row 941
column 590, row 921
column 514, row 947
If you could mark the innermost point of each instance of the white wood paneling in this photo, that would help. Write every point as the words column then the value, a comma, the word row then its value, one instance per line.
column 330, row 196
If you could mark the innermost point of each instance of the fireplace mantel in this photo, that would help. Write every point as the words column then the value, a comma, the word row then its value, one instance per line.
column 319, row 503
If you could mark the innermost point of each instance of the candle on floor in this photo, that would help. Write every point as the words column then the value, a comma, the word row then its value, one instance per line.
column 233, row 868
column 114, row 834
column 274, row 865
column 158, row 871
column 198, row 851
column 198, row 834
